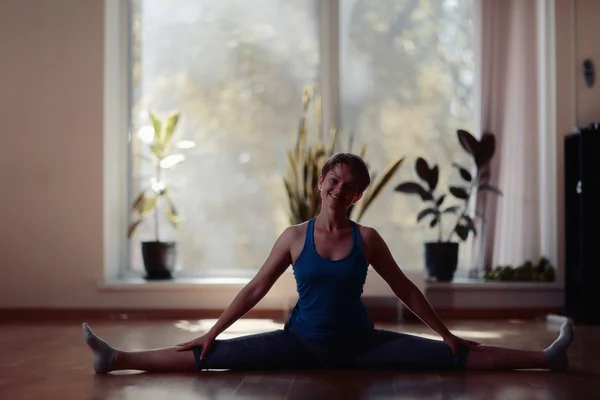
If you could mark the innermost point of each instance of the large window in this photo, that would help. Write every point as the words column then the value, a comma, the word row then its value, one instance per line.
column 407, row 75
column 236, row 71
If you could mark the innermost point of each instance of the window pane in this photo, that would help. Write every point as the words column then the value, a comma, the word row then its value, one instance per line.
column 236, row 70
column 407, row 75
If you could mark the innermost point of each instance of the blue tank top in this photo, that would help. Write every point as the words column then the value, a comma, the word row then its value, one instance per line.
column 329, row 292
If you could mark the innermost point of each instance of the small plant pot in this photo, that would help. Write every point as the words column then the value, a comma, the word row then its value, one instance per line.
column 159, row 260
column 441, row 259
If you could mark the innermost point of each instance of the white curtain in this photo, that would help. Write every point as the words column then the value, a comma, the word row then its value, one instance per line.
column 510, row 110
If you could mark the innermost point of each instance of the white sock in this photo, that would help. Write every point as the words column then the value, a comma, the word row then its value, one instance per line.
column 103, row 352
column 557, row 351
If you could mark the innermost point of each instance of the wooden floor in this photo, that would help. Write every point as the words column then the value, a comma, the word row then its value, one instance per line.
column 50, row 361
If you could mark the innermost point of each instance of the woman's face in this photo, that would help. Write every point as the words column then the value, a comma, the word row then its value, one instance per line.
column 339, row 188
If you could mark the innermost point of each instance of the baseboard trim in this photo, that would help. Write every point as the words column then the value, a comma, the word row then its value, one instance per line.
column 90, row 314
column 378, row 314
column 489, row 313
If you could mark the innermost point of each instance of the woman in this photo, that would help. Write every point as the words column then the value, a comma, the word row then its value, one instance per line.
column 329, row 326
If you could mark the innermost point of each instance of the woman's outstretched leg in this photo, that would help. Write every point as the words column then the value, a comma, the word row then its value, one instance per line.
column 156, row 360
column 499, row 358
column 270, row 350
column 107, row 359
column 386, row 349
column 553, row 357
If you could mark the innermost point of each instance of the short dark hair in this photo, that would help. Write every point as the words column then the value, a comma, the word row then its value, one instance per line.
column 357, row 165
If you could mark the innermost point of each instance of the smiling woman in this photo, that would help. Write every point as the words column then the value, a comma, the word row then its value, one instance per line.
column 344, row 178
column 329, row 326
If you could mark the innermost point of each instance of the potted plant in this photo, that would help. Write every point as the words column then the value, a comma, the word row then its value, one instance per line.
column 441, row 256
column 159, row 256
column 528, row 271
column 305, row 161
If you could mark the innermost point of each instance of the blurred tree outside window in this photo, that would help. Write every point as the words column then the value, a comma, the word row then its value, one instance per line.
column 236, row 70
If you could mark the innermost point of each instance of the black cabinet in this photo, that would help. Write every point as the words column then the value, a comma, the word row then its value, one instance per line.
column 582, row 225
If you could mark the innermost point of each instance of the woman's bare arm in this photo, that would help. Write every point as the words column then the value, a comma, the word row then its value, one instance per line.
column 277, row 262
column 384, row 264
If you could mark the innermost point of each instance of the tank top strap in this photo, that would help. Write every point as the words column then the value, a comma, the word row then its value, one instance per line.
column 356, row 235
column 309, row 240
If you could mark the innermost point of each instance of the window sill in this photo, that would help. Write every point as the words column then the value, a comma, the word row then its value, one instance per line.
column 476, row 284
column 179, row 283
column 135, row 284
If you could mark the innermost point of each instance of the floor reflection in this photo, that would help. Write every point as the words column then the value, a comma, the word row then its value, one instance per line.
column 249, row 326
column 240, row 327
column 330, row 384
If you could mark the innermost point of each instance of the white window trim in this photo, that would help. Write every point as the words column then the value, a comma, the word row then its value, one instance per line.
column 116, row 140
column 329, row 51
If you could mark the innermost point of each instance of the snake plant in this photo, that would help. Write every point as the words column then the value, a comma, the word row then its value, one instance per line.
column 306, row 159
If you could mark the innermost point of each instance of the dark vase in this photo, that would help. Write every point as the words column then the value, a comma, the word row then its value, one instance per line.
column 159, row 260
column 441, row 259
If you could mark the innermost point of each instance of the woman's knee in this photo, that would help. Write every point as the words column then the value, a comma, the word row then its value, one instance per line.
column 275, row 349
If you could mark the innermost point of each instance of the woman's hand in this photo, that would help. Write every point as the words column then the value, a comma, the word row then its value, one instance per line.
column 455, row 343
column 206, row 341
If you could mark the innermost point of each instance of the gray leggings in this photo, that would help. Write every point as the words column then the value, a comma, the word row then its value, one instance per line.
column 283, row 349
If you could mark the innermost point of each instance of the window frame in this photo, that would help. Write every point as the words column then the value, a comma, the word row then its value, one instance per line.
column 116, row 159
column 117, row 120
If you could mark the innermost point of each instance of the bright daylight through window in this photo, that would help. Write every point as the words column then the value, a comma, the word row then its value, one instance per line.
column 236, row 70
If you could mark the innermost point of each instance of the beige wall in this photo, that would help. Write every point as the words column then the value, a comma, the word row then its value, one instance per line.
column 587, row 32
column 51, row 115
column 51, row 97
column 565, row 102
column 577, row 33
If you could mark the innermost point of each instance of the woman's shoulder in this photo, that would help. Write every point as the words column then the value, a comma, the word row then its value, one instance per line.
column 367, row 232
column 370, row 238
column 296, row 231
